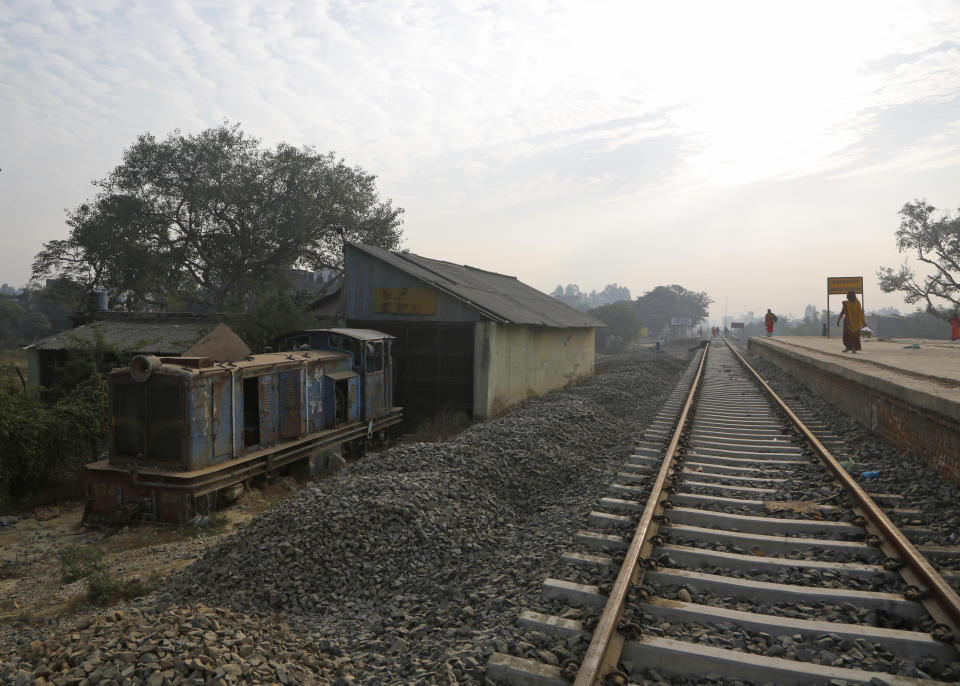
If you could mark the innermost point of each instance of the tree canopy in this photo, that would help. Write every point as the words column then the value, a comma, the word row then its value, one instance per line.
column 583, row 301
column 656, row 307
column 935, row 239
column 623, row 325
column 215, row 218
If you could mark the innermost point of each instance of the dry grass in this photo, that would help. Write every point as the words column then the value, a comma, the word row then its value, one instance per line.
column 256, row 500
column 800, row 506
column 10, row 362
column 439, row 427
column 12, row 569
column 16, row 357
column 134, row 559
column 145, row 535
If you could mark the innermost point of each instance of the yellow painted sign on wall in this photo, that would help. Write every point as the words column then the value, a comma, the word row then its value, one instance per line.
column 844, row 284
column 404, row 301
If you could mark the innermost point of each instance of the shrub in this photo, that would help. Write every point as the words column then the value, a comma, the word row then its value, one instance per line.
column 84, row 359
column 103, row 587
column 37, row 439
column 25, row 431
column 134, row 588
column 79, row 561
column 9, row 378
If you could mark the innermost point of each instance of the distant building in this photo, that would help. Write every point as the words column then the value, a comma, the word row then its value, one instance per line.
column 915, row 325
column 467, row 339
column 324, row 286
column 135, row 333
column 887, row 325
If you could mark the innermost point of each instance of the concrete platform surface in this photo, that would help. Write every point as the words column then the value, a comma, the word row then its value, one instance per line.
column 933, row 367
column 910, row 396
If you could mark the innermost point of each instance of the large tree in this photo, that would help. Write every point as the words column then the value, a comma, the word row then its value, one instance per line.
column 623, row 325
column 935, row 239
column 216, row 217
column 657, row 306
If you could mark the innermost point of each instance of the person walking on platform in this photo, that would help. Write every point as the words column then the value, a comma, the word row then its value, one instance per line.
column 853, row 321
column 955, row 326
column 769, row 320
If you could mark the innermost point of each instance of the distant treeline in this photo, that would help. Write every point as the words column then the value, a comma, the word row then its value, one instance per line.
column 32, row 313
column 574, row 297
column 650, row 314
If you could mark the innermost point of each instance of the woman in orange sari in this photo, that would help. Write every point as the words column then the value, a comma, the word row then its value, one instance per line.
column 853, row 321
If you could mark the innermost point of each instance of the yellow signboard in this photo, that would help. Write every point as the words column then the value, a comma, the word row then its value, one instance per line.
column 404, row 301
column 844, row 284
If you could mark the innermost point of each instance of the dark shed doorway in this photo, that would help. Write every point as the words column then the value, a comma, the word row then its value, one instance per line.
column 434, row 366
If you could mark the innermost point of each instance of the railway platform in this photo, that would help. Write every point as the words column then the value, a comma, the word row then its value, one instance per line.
column 906, row 390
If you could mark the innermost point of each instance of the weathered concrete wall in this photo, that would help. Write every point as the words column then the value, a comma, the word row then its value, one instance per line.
column 922, row 424
column 514, row 362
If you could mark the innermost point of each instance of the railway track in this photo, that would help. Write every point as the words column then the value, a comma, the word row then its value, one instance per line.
column 743, row 552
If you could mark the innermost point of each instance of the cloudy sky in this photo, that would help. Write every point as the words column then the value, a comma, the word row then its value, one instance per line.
column 746, row 149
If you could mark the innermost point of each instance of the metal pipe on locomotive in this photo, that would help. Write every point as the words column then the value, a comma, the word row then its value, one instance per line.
column 187, row 431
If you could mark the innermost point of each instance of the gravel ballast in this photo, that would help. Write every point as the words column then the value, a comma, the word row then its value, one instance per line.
column 410, row 566
column 898, row 473
column 165, row 644
column 416, row 562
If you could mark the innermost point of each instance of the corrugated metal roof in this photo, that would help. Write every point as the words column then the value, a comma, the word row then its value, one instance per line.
column 502, row 298
column 359, row 334
column 158, row 338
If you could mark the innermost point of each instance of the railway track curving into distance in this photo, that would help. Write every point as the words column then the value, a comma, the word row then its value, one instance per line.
column 735, row 548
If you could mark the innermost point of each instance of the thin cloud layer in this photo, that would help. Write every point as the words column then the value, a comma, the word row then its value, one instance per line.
column 528, row 117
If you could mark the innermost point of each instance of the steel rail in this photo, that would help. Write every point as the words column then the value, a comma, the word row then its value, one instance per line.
column 916, row 562
column 604, row 636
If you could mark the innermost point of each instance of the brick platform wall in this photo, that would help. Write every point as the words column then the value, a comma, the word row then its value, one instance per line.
column 916, row 430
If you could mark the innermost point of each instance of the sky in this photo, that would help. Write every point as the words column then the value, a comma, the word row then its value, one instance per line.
column 745, row 149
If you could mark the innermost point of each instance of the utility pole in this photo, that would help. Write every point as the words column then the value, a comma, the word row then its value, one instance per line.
column 342, row 304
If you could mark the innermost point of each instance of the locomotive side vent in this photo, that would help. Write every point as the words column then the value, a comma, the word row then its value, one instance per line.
column 265, row 395
column 291, row 392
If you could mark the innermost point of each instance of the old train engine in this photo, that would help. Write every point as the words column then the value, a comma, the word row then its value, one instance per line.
column 187, row 432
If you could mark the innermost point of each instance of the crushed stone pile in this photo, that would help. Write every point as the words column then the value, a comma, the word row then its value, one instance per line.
column 167, row 645
column 416, row 561
column 392, row 520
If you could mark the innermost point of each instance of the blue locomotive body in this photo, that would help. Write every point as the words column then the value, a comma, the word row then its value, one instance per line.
column 185, row 429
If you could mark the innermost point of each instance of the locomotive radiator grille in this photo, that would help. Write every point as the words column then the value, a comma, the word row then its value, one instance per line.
column 291, row 392
column 265, row 395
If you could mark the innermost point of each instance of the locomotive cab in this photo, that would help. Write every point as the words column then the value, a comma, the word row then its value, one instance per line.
column 372, row 361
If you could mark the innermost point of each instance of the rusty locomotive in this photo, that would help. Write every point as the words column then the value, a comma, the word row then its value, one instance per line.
column 187, row 432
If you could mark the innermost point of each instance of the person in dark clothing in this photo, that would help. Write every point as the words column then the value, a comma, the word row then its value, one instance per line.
column 769, row 320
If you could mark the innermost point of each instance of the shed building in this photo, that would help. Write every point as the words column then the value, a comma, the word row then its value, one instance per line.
column 134, row 333
column 467, row 339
